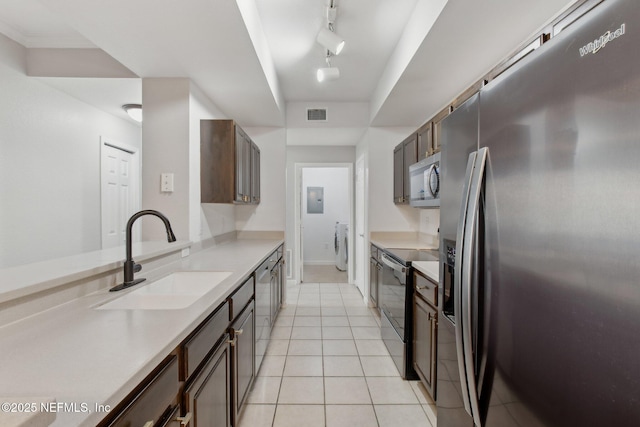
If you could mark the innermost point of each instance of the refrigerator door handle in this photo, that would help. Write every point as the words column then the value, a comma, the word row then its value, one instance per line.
column 467, row 261
column 457, row 281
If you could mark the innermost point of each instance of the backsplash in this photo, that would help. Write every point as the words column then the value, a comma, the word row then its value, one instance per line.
column 429, row 222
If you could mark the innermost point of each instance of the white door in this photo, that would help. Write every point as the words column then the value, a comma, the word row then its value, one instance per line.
column 120, row 183
column 301, row 243
column 360, row 229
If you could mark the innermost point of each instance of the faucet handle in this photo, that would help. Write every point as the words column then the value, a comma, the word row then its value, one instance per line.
column 137, row 267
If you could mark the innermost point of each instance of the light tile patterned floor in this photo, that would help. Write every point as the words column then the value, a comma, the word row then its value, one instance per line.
column 326, row 366
column 324, row 274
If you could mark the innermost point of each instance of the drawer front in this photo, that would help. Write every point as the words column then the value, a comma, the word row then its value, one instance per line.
column 159, row 395
column 426, row 288
column 241, row 297
column 197, row 348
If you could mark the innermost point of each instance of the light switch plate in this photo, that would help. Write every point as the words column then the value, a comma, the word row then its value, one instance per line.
column 166, row 182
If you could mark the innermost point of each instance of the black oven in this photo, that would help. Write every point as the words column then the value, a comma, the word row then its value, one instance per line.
column 395, row 299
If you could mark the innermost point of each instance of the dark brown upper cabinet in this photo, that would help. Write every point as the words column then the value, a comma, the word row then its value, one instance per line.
column 404, row 155
column 229, row 164
column 425, row 141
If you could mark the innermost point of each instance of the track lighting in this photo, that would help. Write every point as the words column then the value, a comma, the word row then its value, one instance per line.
column 327, row 73
column 134, row 111
column 331, row 41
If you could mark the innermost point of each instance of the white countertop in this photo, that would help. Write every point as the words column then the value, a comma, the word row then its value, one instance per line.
column 431, row 269
column 80, row 355
column 22, row 280
column 401, row 243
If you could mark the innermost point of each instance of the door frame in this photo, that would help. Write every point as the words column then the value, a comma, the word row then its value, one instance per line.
column 362, row 258
column 297, row 229
column 135, row 193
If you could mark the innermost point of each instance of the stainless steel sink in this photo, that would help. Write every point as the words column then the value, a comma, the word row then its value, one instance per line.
column 173, row 292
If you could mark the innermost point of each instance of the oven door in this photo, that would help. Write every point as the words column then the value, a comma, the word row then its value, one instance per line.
column 392, row 293
column 392, row 299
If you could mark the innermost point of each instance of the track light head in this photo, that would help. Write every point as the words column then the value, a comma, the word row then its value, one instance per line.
column 329, row 73
column 331, row 41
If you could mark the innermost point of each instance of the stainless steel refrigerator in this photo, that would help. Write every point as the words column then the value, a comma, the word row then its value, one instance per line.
column 539, row 320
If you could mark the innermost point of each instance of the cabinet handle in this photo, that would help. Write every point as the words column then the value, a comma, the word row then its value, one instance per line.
column 239, row 332
column 422, row 287
column 232, row 342
column 148, row 424
column 186, row 419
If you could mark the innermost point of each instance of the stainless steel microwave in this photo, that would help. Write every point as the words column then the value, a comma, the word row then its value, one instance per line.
column 425, row 182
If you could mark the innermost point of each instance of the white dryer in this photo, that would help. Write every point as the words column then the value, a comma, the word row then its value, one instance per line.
column 341, row 239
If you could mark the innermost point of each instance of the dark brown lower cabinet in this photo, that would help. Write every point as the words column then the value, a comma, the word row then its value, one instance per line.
column 205, row 381
column 153, row 402
column 175, row 420
column 424, row 343
column 243, row 353
column 208, row 397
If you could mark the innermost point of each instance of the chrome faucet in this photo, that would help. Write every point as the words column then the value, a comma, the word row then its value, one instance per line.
column 130, row 267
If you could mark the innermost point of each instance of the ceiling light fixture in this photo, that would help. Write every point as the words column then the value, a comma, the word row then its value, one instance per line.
column 330, row 40
column 333, row 44
column 327, row 73
column 134, row 111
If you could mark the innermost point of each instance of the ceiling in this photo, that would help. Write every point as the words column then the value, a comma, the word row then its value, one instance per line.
column 403, row 60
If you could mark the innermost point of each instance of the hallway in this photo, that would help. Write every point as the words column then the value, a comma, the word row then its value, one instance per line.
column 327, row 366
column 324, row 274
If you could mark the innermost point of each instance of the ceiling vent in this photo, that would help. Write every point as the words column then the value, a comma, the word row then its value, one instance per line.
column 316, row 114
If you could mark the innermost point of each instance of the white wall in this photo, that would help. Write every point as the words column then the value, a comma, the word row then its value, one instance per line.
column 173, row 110
column 269, row 215
column 429, row 221
column 319, row 229
column 165, row 145
column 384, row 215
column 49, row 165
column 205, row 219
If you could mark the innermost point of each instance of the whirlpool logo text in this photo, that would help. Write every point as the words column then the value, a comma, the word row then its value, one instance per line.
column 601, row 42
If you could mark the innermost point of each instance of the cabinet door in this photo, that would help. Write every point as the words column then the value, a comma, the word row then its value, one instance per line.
column 410, row 157
column 262, row 311
column 398, row 174
column 255, row 174
column 274, row 294
column 425, row 145
column 276, row 290
column 437, row 127
column 373, row 281
column 243, row 357
column 424, row 343
column 243, row 166
column 208, row 397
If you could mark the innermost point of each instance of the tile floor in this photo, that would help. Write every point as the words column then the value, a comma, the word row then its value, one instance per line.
column 326, row 366
column 324, row 274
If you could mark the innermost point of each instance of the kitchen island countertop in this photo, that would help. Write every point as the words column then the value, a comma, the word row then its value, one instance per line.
column 79, row 355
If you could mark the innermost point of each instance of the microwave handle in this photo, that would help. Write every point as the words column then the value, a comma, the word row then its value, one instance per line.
column 434, row 192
